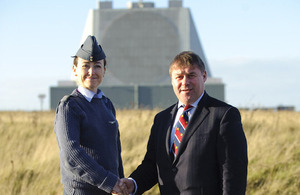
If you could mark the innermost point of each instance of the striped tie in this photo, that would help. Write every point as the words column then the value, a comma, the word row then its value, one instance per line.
column 180, row 128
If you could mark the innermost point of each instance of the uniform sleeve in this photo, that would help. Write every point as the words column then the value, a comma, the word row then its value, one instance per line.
column 232, row 153
column 120, row 169
column 74, row 158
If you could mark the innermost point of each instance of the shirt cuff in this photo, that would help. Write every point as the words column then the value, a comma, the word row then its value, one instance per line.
column 135, row 186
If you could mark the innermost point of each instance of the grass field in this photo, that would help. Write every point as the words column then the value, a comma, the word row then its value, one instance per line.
column 30, row 164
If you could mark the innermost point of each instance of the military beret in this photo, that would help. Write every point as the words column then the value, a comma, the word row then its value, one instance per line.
column 90, row 50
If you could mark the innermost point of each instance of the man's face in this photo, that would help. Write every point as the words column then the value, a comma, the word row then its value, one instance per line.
column 188, row 83
column 89, row 74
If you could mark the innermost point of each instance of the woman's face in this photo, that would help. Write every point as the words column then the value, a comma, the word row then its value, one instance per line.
column 89, row 74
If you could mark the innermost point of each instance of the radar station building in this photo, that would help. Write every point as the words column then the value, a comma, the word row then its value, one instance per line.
column 140, row 42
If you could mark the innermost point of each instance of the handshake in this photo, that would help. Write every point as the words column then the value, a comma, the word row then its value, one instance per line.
column 123, row 186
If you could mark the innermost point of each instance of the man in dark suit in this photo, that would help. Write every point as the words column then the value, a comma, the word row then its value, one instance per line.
column 206, row 157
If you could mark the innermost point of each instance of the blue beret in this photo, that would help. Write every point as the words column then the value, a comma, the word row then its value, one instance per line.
column 90, row 50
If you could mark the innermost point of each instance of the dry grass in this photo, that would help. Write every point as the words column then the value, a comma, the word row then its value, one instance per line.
column 30, row 163
column 274, row 152
column 29, row 154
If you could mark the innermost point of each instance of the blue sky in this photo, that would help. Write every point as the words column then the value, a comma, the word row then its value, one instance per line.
column 253, row 46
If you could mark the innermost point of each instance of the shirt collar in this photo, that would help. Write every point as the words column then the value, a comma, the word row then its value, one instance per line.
column 194, row 104
column 88, row 94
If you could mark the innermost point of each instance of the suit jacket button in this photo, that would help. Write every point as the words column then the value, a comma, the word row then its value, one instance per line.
column 174, row 169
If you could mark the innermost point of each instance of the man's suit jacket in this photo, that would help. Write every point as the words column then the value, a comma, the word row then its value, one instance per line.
column 211, row 159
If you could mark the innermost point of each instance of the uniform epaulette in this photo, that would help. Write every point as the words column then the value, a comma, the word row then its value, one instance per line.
column 65, row 98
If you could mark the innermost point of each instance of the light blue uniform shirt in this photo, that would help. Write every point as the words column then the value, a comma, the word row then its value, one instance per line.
column 88, row 94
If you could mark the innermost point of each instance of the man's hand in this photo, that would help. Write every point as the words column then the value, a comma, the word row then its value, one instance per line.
column 120, row 188
column 129, row 184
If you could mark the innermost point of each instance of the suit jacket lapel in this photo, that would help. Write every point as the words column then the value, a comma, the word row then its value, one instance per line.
column 199, row 115
column 169, row 131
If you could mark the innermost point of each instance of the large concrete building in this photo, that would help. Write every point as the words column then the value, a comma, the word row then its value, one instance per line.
column 140, row 42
